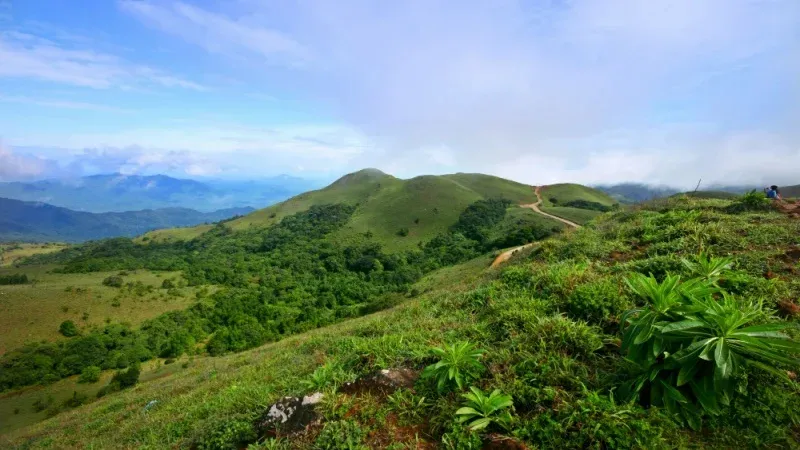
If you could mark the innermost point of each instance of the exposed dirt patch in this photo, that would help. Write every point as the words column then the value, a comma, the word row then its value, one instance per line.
column 789, row 308
column 792, row 255
column 383, row 382
column 500, row 442
column 413, row 436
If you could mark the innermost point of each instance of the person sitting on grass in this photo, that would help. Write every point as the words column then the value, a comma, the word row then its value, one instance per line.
column 773, row 193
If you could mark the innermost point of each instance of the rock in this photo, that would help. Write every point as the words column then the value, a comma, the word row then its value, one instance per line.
column 382, row 382
column 150, row 404
column 289, row 414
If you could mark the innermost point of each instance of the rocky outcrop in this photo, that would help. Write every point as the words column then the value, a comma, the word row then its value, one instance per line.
column 289, row 415
column 382, row 382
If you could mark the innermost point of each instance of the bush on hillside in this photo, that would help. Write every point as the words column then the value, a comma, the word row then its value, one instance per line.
column 586, row 204
column 89, row 374
column 127, row 378
column 19, row 278
column 751, row 201
column 113, row 281
column 68, row 328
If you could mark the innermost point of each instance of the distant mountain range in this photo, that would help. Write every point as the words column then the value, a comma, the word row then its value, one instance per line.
column 117, row 192
column 40, row 222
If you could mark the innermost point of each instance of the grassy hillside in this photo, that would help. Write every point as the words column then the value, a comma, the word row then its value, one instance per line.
column 549, row 328
column 32, row 312
column 568, row 192
column 425, row 205
column 723, row 195
column 12, row 252
column 574, row 201
column 577, row 215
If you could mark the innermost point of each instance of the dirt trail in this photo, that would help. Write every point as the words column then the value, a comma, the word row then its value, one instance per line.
column 506, row 255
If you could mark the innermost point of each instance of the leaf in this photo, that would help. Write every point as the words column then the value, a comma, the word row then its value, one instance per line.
column 708, row 350
column 686, row 373
column 467, row 410
column 682, row 325
column 673, row 393
column 480, row 424
column 722, row 354
column 704, row 392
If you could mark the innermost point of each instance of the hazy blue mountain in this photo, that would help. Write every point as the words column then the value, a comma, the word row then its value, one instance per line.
column 40, row 222
column 117, row 192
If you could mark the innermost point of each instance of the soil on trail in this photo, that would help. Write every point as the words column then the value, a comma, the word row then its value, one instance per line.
column 506, row 255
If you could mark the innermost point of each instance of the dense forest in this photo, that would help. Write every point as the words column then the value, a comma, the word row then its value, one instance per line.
column 277, row 281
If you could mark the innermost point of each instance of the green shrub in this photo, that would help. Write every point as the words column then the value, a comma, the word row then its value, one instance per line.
column 599, row 422
column 341, row 435
column 480, row 411
column 751, row 201
column 68, row 328
column 90, row 374
column 167, row 284
column 127, row 378
column 19, row 278
column 403, row 232
column 598, row 302
column 691, row 346
column 113, row 281
column 458, row 364
column 228, row 434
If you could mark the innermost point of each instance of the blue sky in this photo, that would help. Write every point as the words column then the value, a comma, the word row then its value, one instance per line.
column 664, row 92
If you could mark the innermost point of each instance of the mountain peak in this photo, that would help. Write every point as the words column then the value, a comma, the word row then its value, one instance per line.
column 361, row 176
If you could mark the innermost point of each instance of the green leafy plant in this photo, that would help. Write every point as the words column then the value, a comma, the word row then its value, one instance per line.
column 459, row 364
column 708, row 267
column 480, row 410
column 689, row 346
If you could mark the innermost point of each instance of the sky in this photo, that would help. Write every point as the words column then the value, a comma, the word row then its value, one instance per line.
column 658, row 91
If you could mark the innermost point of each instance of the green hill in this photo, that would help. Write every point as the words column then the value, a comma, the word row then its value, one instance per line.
column 385, row 205
column 575, row 202
column 615, row 336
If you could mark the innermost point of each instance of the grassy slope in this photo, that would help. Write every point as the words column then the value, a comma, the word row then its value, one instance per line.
column 386, row 204
column 173, row 234
column 10, row 253
column 33, row 312
column 194, row 403
column 517, row 218
column 577, row 215
column 567, row 192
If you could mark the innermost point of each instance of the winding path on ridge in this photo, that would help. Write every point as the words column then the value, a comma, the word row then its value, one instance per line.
column 506, row 255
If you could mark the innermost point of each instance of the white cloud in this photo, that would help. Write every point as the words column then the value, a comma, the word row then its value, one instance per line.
column 202, row 149
column 216, row 33
column 30, row 56
column 532, row 89
column 17, row 167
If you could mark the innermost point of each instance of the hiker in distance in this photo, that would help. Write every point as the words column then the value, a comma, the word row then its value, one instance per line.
column 773, row 193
